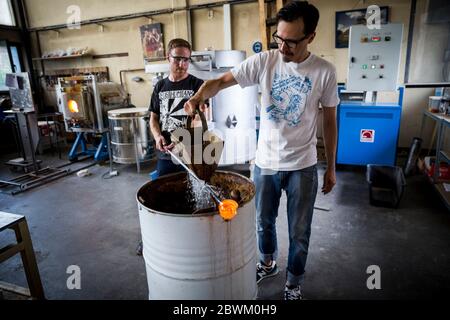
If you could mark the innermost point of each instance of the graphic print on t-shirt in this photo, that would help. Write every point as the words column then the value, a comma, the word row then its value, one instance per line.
column 172, row 108
column 288, row 98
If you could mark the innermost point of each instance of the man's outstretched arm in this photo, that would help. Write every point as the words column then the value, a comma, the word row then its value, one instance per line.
column 209, row 89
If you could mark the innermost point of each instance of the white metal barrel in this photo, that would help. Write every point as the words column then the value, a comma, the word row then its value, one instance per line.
column 198, row 256
column 130, row 136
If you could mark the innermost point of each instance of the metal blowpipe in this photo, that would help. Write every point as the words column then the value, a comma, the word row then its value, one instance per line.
column 192, row 173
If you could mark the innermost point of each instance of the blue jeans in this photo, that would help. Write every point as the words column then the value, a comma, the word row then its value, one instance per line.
column 164, row 167
column 301, row 190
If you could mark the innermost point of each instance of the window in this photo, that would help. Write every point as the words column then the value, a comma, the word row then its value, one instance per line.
column 5, row 65
column 430, row 47
column 6, row 13
column 17, row 67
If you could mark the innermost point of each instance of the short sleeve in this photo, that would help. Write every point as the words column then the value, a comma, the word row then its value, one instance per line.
column 154, row 101
column 247, row 73
column 198, row 84
column 329, row 96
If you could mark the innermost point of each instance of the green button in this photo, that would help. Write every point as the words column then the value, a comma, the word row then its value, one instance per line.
column 364, row 66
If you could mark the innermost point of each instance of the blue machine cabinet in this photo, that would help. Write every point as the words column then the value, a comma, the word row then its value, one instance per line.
column 368, row 132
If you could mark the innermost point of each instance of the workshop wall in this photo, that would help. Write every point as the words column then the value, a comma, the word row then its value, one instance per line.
column 123, row 36
column 207, row 32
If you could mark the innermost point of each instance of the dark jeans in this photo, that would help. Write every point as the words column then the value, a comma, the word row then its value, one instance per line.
column 301, row 190
column 164, row 167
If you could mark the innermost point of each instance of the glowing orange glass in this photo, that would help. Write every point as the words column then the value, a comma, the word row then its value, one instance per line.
column 228, row 209
column 73, row 106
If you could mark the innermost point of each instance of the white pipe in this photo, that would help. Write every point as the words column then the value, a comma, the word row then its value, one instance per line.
column 174, row 23
column 227, row 27
column 189, row 25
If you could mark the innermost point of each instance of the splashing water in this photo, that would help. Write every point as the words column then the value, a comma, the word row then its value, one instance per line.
column 197, row 194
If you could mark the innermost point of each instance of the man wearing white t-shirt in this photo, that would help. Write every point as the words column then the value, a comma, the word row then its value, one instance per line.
column 293, row 83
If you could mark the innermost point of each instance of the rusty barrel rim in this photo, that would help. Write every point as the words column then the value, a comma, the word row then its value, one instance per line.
column 203, row 214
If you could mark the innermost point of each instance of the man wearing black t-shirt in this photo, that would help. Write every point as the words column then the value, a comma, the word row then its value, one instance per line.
column 167, row 105
column 167, row 102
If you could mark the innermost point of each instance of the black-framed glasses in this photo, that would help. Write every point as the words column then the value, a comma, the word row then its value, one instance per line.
column 292, row 44
column 179, row 59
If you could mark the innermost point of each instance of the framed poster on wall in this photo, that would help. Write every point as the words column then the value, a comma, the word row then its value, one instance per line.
column 152, row 42
column 345, row 19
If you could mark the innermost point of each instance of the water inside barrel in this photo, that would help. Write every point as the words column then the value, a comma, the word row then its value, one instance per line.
column 172, row 194
column 198, row 196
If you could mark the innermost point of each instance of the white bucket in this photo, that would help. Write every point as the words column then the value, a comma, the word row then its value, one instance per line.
column 199, row 256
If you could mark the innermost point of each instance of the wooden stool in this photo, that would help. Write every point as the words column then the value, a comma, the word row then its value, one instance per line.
column 24, row 246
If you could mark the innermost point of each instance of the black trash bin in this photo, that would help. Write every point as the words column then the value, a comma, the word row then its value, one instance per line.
column 386, row 185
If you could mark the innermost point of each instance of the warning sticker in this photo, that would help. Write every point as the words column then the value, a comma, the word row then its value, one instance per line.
column 367, row 135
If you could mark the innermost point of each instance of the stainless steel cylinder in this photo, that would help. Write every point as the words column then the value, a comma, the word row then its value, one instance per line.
column 130, row 135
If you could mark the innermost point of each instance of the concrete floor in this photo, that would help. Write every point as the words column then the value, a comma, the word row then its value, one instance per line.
column 93, row 223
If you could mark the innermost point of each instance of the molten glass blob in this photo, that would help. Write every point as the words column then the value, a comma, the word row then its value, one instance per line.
column 228, row 209
column 73, row 106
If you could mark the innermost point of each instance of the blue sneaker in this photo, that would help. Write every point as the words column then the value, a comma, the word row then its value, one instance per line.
column 263, row 271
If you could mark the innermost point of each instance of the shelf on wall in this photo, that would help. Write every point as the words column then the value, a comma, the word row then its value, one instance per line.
column 64, row 57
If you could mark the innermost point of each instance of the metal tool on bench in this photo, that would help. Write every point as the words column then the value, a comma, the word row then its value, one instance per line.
column 23, row 110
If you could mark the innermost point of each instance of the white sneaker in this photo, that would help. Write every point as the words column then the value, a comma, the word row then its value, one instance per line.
column 293, row 294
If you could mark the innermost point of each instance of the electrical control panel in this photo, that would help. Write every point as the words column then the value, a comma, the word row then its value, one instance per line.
column 374, row 57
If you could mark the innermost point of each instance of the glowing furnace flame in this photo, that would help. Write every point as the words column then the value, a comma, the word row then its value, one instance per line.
column 73, row 106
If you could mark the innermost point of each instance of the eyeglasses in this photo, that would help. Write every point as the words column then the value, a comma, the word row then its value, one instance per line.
column 292, row 44
column 179, row 59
